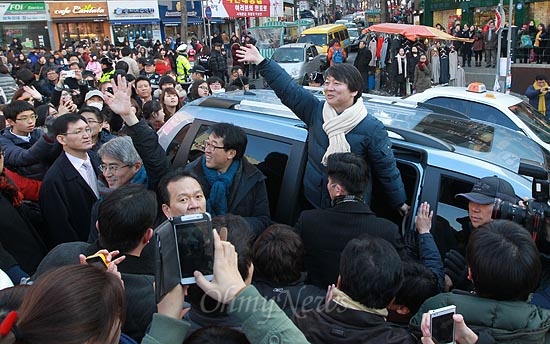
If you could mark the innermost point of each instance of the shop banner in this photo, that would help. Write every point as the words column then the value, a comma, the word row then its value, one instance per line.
column 126, row 10
column 77, row 9
column 246, row 8
column 22, row 11
column 194, row 9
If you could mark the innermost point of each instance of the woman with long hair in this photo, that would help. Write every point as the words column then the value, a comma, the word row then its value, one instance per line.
column 170, row 101
column 74, row 304
column 154, row 114
column 199, row 89
column 162, row 62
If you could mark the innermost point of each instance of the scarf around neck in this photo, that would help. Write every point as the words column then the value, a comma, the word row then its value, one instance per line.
column 344, row 300
column 542, row 97
column 401, row 65
column 336, row 126
column 220, row 184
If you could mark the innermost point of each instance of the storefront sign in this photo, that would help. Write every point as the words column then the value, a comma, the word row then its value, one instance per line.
column 22, row 11
column 120, row 10
column 194, row 9
column 58, row 9
column 246, row 8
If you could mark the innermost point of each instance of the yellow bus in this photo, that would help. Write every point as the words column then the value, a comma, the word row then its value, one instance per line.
column 322, row 35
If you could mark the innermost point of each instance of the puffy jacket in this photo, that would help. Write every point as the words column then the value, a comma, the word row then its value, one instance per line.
column 515, row 322
column 29, row 159
column 368, row 139
column 533, row 96
column 7, row 83
column 217, row 64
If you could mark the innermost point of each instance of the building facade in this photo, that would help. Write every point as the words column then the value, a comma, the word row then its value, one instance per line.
column 25, row 21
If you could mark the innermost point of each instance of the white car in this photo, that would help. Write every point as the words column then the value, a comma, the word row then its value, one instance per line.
column 494, row 107
column 298, row 59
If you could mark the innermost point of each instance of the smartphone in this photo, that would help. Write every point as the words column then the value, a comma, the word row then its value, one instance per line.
column 442, row 325
column 69, row 74
column 97, row 260
column 195, row 246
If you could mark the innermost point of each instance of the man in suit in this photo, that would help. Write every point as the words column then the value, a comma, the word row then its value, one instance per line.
column 69, row 189
column 325, row 232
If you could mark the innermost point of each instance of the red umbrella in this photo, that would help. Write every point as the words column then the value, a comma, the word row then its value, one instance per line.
column 412, row 32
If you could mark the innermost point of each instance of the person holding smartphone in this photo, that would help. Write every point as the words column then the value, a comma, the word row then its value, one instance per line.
column 538, row 95
column 505, row 268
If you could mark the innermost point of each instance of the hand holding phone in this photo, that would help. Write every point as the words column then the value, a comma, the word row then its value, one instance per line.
column 442, row 326
column 69, row 74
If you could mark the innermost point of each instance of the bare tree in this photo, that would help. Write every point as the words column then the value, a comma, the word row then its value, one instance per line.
column 384, row 14
column 183, row 10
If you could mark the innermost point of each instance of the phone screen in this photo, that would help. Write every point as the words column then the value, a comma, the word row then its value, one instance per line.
column 195, row 249
column 443, row 328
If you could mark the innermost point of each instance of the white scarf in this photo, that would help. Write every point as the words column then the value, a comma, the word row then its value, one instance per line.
column 337, row 126
column 400, row 65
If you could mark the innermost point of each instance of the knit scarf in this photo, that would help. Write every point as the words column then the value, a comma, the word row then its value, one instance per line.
column 219, row 187
column 537, row 39
column 401, row 60
column 542, row 97
column 337, row 126
column 344, row 300
column 9, row 190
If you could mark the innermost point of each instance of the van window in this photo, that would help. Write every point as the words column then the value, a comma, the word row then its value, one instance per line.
column 268, row 155
column 451, row 213
column 318, row 39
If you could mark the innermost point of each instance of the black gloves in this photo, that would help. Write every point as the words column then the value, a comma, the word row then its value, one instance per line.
column 457, row 270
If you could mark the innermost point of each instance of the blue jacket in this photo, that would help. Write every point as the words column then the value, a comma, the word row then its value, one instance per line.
column 533, row 96
column 29, row 159
column 368, row 139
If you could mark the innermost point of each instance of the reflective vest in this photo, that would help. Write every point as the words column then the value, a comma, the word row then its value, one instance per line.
column 107, row 76
column 182, row 68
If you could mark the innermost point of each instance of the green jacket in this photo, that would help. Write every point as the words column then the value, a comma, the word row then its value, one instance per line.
column 262, row 321
column 182, row 68
column 516, row 322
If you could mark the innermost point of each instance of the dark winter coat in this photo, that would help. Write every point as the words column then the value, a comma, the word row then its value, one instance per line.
column 29, row 159
column 325, row 233
column 66, row 201
column 336, row 324
column 362, row 60
column 247, row 196
column 368, row 139
column 217, row 64
column 422, row 78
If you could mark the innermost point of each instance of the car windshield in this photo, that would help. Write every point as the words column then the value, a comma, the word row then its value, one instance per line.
column 318, row 39
column 353, row 33
column 536, row 121
column 288, row 55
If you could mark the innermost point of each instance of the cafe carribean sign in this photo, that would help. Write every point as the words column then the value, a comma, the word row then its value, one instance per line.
column 77, row 9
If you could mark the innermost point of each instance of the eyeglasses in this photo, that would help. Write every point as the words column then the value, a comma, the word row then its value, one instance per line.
column 208, row 145
column 80, row 132
column 92, row 121
column 113, row 168
column 26, row 118
column 205, row 88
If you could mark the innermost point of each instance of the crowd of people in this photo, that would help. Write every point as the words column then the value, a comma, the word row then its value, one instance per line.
column 82, row 172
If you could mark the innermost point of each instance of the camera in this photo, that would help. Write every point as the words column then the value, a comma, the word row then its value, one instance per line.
column 533, row 215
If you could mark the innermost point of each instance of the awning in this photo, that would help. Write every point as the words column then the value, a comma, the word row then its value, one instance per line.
column 174, row 21
column 135, row 21
column 412, row 32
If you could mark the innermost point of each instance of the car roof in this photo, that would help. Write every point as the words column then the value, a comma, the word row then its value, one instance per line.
column 489, row 97
column 295, row 45
column 490, row 143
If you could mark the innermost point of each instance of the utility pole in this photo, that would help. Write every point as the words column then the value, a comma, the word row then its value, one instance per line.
column 183, row 11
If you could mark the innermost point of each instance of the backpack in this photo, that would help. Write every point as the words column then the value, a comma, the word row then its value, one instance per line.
column 338, row 56
column 526, row 42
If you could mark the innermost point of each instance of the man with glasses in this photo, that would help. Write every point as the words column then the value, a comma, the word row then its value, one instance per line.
column 230, row 183
column 69, row 189
column 28, row 151
column 46, row 86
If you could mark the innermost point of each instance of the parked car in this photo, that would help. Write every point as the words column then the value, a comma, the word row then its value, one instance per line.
column 493, row 107
column 354, row 38
column 298, row 59
column 438, row 155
